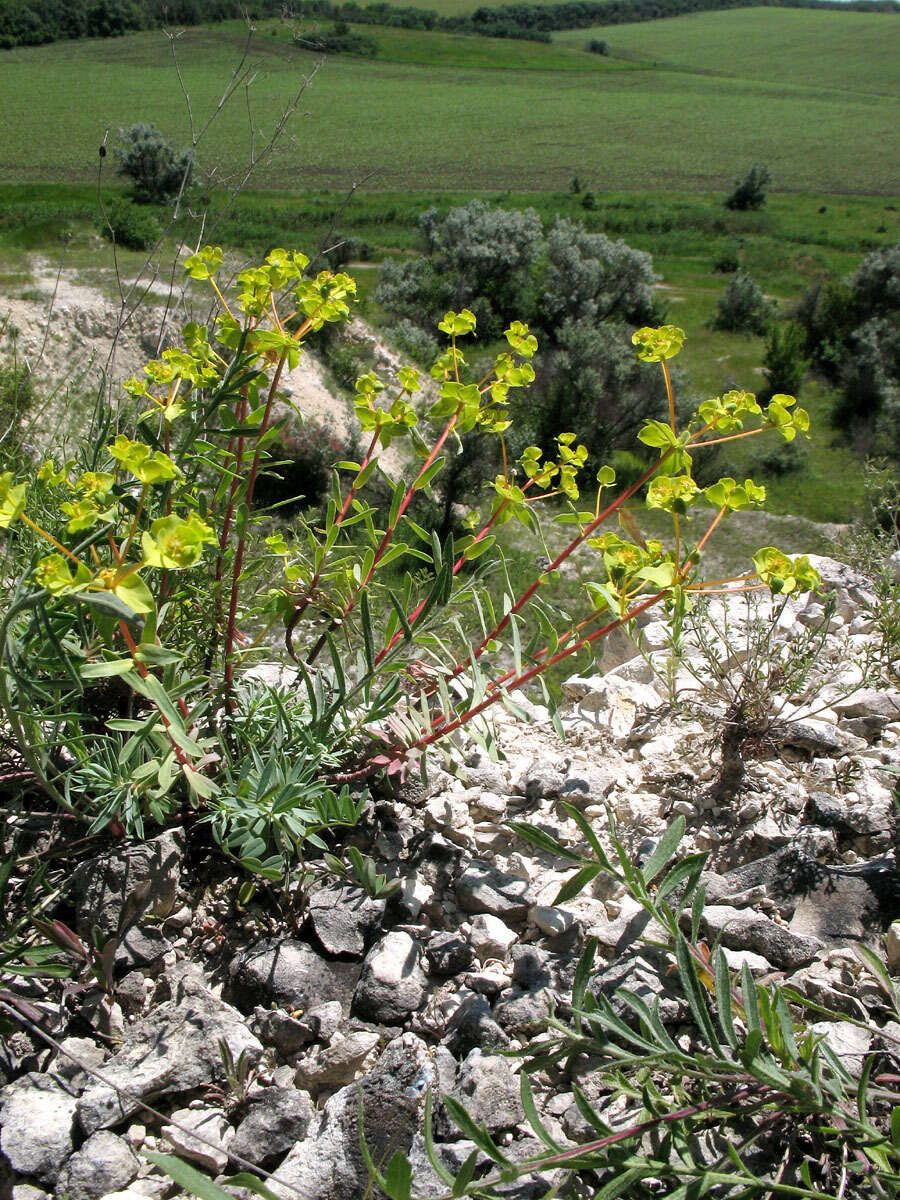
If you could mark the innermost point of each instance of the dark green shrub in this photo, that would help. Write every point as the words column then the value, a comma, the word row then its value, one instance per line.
column 593, row 386
column 727, row 263
column 598, row 46
column 785, row 363
column 414, row 341
column 750, row 192
column 780, row 460
column 156, row 167
column 128, row 225
column 742, row 307
column 300, row 473
column 339, row 40
column 350, row 249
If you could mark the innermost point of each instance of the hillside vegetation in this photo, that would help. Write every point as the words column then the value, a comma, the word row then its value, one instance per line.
column 441, row 125
column 856, row 52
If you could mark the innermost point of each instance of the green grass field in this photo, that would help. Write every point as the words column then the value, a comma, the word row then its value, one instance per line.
column 657, row 132
column 428, row 122
column 851, row 52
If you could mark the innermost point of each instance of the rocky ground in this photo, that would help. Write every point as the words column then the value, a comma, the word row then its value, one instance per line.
column 384, row 1000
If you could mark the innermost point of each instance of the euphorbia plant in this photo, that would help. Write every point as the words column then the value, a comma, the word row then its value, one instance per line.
column 124, row 646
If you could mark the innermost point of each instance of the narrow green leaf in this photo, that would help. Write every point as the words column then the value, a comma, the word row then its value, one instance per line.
column 366, row 624
column 188, row 1177
column 473, row 1131
column 466, row 1175
column 428, row 474
column 693, row 990
column 578, row 882
column 531, row 1113
column 723, row 999
column 697, row 912
column 582, row 977
column 665, row 848
column 543, row 841
column 428, row 1131
column 750, row 999
column 105, row 670
column 590, row 837
column 687, row 870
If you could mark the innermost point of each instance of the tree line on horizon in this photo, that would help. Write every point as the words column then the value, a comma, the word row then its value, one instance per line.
column 35, row 22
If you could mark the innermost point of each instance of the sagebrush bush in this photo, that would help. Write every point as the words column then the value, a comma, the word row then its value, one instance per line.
column 157, row 168
column 742, row 307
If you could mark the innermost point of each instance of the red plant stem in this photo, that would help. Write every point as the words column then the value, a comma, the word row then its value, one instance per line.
column 385, row 541
column 525, row 677
column 239, row 553
column 302, row 607
column 226, row 529
column 457, row 567
column 143, row 672
column 559, row 560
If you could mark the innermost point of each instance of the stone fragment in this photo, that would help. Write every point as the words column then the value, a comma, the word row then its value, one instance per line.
column 392, row 984
column 203, row 1138
column 85, row 1051
column 345, row 920
column 490, row 937
column 838, row 906
column 147, row 870
column 525, row 1012
column 817, row 738
column 892, row 946
column 172, row 1050
column 277, row 1118
column 473, row 1025
column 292, row 975
column 551, row 920
column 334, row 1065
column 870, row 702
column 483, row 889
column 448, row 954
column 328, row 1164
column 105, row 1163
column 849, row 1042
column 636, row 974
column 489, row 1089
column 37, row 1126
column 276, row 1027
column 744, row 929
column 589, row 783
column 543, row 780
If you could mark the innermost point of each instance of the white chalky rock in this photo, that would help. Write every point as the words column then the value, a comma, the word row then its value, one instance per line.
column 490, row 938
column 206, row 1141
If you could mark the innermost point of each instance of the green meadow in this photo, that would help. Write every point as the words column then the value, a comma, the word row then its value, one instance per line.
column 851, row 52
column 451, row 113
column 655, row 133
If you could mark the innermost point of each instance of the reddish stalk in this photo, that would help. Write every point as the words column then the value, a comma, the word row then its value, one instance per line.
column 559, row 560
column 385, row 541
column 311, row 587
column 143, row 672
column 457, row 567
column 495, row 695
column 248, row 499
